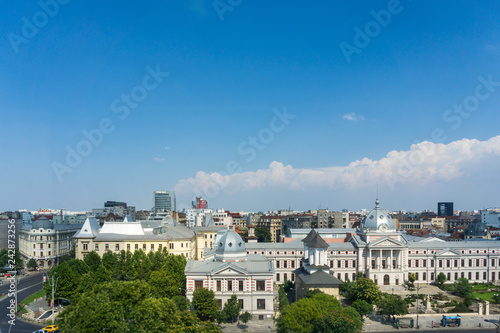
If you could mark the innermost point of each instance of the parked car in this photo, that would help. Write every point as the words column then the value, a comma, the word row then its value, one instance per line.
column 40, row 331
column 51, row 328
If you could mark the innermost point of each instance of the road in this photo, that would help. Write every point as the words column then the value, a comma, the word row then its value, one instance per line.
column 27, row 286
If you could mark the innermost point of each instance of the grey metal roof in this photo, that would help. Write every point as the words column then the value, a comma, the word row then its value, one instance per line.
column 317, row 242
column 253, row 264
column 178, row 232
column 42, row 223
column 318, row 279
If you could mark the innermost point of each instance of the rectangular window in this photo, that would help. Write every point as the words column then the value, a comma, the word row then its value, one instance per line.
column 462, row 274
column 339, row 263
column 492, row 262
column 152, row 247
column 432, row 276
column 230, row 285
column 485, row 262
column 136, row 247
column 41, row 246
column 34, row 246
column 240, row 287
column 219, row 303
column 477, row 275
column 462, row 263
column 277, row 277
column 456, row 276
column 448, row 263
column 198, row 284
column 285, row 276
column 171, row 246
column 240, row 301
column 484, row 273
column 160, row 246
column 277, row 264
column 219, row 285
column 182, row 244
column 470, row 276
column 49, row 248
column 41, row 254
column 85, row 246
column 331, row 263
column 373, row 264
column 354, row 264
column 432, row 262
column 144, row 247
column 107, row 247
column 51, row 252
column 293, row 264
column 128, row 247
column 478, row 263
column 440, row 263
column 117, row 247
column 470, row 262
column 261, row 285
column 261, row 304
column 455, row 263
column 97, row 247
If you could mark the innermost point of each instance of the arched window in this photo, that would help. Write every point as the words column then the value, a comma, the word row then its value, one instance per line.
column 386, row 280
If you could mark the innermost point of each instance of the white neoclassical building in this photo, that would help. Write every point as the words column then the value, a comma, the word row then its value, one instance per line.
column 228, row 269
column 387, row 255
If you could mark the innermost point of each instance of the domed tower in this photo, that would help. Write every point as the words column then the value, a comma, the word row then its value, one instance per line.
column 378, row 220
column 230, row 247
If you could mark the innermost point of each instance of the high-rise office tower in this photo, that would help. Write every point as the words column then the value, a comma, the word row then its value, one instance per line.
column 445, row 209
column 164, row 200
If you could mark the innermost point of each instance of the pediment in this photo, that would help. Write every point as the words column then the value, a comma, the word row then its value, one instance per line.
column 230, row 270
column 448, row 253
column 385, row 242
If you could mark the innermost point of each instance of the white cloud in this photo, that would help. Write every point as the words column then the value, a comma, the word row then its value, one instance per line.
column 353, row 117
column 159, row 159
column 422, row 164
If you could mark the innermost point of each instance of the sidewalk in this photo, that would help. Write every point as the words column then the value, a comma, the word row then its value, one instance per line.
column 256, row 326
column 469, row 321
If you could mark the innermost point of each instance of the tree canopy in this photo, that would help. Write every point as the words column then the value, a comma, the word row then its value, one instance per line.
column 302, row 315
column 364, row 289
column 392, row 305
column 204, row 303
column 441, row 278
column 346, row 320
column 263, row 235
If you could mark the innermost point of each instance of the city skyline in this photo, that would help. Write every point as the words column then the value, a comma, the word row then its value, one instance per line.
column 301, row 106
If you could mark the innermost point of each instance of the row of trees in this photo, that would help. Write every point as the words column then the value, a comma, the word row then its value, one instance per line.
column 126, row 292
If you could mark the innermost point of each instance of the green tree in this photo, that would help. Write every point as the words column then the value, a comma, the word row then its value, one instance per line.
column 246, row 317
column 345, row 321
column 263, row 235
column 102, row 275
column 232, row 308
column 204, row 303
column 441, row 278
column 32, row 264
column 174, row 267
column 181, row 302
column 163, row 285
column 362, row 307
column 8, row 256
column 109, row 261
column 283, row 298
column 412, row 277
column 392, row 305
column 364, row 289
column 93, row 260
column 462, row 288
column 312, row 292
column 68, row 276
column 302, row 315
column 153, row 315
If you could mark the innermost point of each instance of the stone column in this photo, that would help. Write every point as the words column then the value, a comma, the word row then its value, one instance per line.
column 486, row 308
column 428, row 305
column 391, row 259
column 480, row 309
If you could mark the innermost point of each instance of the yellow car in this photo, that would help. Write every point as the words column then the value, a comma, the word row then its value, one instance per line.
column 51, row 328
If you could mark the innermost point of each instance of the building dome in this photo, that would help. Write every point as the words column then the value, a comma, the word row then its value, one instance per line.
column 42, row 223
column 378, row 220
column 230, row 247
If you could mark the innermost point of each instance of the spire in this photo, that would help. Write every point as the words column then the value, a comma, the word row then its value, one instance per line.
column 377, row 202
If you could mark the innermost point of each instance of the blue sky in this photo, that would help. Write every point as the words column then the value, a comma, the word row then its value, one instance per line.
column 227, row 80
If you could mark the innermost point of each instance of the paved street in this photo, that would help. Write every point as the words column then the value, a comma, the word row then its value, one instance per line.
column 28, row 285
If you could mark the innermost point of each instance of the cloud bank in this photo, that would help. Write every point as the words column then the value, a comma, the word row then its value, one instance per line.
column 422, row 164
